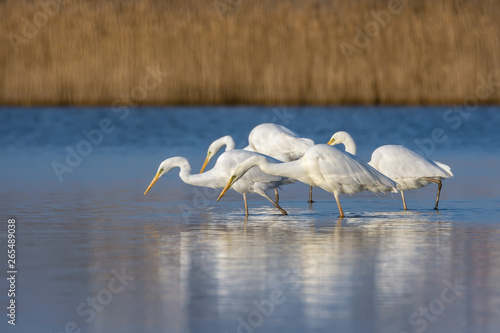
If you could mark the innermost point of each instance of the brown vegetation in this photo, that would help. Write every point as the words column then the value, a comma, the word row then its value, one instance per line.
column 258, row 52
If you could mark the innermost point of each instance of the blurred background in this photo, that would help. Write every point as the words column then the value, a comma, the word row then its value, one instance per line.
column 248, row 52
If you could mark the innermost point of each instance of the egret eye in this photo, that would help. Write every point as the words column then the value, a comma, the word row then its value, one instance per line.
column 160, row 172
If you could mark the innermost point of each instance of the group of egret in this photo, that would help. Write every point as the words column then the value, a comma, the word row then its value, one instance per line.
column 277, row 156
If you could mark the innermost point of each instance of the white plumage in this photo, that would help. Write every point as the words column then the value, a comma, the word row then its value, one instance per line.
column 255, row 181
column 215, row 146
column 269, row 139
column 323, row 166
column 407, row 168
column 278, row 141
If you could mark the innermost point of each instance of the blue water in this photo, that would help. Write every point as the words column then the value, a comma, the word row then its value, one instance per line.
column 94, row 254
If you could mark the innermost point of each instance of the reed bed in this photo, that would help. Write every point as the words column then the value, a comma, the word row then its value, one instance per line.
column 310, row 52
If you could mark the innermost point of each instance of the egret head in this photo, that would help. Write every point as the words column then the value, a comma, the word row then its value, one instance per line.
column 207, row 159
column 344, row 138
column 339, row 137
column 216, row 146
column 165, row 167
column 229, row 183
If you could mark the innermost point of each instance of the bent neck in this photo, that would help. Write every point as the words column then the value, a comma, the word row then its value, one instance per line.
column 206, row 179
column 188, row 178
column 229, row 142
column 219, row 143
column 350, row 145
column 282, row 169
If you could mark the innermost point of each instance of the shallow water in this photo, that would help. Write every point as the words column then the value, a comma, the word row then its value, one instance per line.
column 94, row 254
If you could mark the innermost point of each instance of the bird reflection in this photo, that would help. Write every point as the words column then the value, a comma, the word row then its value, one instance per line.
column 328, row 269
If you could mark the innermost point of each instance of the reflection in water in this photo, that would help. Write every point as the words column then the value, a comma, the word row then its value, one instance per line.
column 380, row 272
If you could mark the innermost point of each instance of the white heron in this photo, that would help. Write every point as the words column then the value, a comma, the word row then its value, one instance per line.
column 215, row 146
column 269, row 139
column 407, row 168
column 323, row 166
column 228, row 142
column 255, row 181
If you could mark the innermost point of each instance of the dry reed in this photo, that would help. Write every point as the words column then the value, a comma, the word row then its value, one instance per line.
column 261, row 52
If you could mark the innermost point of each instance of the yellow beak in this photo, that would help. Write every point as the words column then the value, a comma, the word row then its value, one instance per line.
column 206, row 162
column 152, row 182
column 227, row 187
column 332, row 140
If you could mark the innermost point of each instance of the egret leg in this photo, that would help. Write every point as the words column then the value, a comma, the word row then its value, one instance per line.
column 338, row 204
column 440, row 184
column 404, row 201
column 246, row 205
column 311, row 195
column 274, row 203
column 276, row 195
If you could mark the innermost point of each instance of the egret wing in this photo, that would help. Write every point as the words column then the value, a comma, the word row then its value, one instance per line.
column 350, row 174
column 400, row 162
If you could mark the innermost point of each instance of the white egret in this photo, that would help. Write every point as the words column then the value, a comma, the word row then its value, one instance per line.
column 227, row 141
column 255, row 181
column 215, row 146
column 323, row 166
column 407, row 168
column 269, row 139
column 279, row 142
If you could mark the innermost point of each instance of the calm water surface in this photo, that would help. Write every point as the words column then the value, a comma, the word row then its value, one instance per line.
column 94, row 254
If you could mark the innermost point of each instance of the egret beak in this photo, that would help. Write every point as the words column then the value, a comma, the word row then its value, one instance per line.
column 153, row 182
column 227, row 187
column 332, row 140
column 206, row 162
